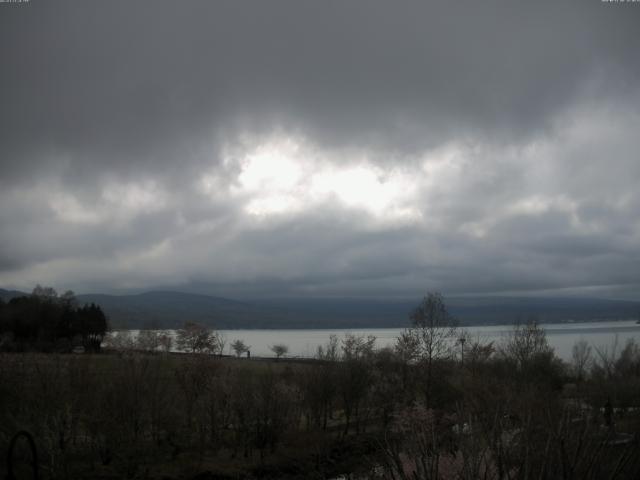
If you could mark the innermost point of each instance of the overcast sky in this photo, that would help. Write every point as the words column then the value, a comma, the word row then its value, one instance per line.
column 321, row 148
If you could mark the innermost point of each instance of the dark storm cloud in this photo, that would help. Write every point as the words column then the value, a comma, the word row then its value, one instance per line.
column 140, row 81
column 124, row 125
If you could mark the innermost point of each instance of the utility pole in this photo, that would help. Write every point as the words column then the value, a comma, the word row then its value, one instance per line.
column 462, row 340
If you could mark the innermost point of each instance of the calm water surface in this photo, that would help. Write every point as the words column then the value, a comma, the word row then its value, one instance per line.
column 561, row 336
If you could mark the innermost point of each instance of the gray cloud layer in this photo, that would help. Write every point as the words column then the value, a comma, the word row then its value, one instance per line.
column 320, row 148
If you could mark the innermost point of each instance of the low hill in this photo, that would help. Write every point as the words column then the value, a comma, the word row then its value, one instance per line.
column 163, row 309
column 169, row 309
column 7, row 295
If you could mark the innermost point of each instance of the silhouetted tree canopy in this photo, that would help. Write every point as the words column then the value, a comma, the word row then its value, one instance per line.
column 45, row 321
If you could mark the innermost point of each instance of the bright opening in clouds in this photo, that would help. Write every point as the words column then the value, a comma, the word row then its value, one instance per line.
column 287, row 177
column 281, row 149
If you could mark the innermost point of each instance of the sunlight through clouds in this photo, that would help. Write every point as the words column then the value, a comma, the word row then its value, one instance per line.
column 367, row 187
column 273, row 166
column 288, row 177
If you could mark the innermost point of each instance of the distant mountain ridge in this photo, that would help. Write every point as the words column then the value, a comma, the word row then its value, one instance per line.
column 7, row 295
column 170, row 309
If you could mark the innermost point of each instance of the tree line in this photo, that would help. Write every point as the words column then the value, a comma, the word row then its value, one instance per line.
column 434, row 406
column 48, row 322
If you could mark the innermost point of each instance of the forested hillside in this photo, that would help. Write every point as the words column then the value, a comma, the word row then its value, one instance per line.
column 167, row 309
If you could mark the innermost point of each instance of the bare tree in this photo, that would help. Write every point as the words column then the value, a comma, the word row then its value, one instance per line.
column 407, row 351
column 355, row 347
column 319, row 384
column 68, row 299
column 355, row 376
column 45, row 293
column 196, row 338
column 148, row 340
column 477, row 352
column 628, row 363
column 120, row 340
column 433, row 331
column 525, row 343
column 193, row 377
column 606, row 359
column 581, row 356
column 165, row 341
column 407, row 346
column 330, row 351
column 239, row 347
column 279, row 349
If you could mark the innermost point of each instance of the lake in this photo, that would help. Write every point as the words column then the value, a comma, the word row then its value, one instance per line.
column 561, row 336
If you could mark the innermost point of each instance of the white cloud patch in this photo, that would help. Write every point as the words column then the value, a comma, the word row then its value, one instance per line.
column 119, row 202
column 290, row 177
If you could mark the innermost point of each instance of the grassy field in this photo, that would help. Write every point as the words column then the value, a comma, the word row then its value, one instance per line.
column 169, row 416
column 501, row 414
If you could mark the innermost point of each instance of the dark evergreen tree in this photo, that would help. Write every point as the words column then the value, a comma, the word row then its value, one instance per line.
column 43, row 321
